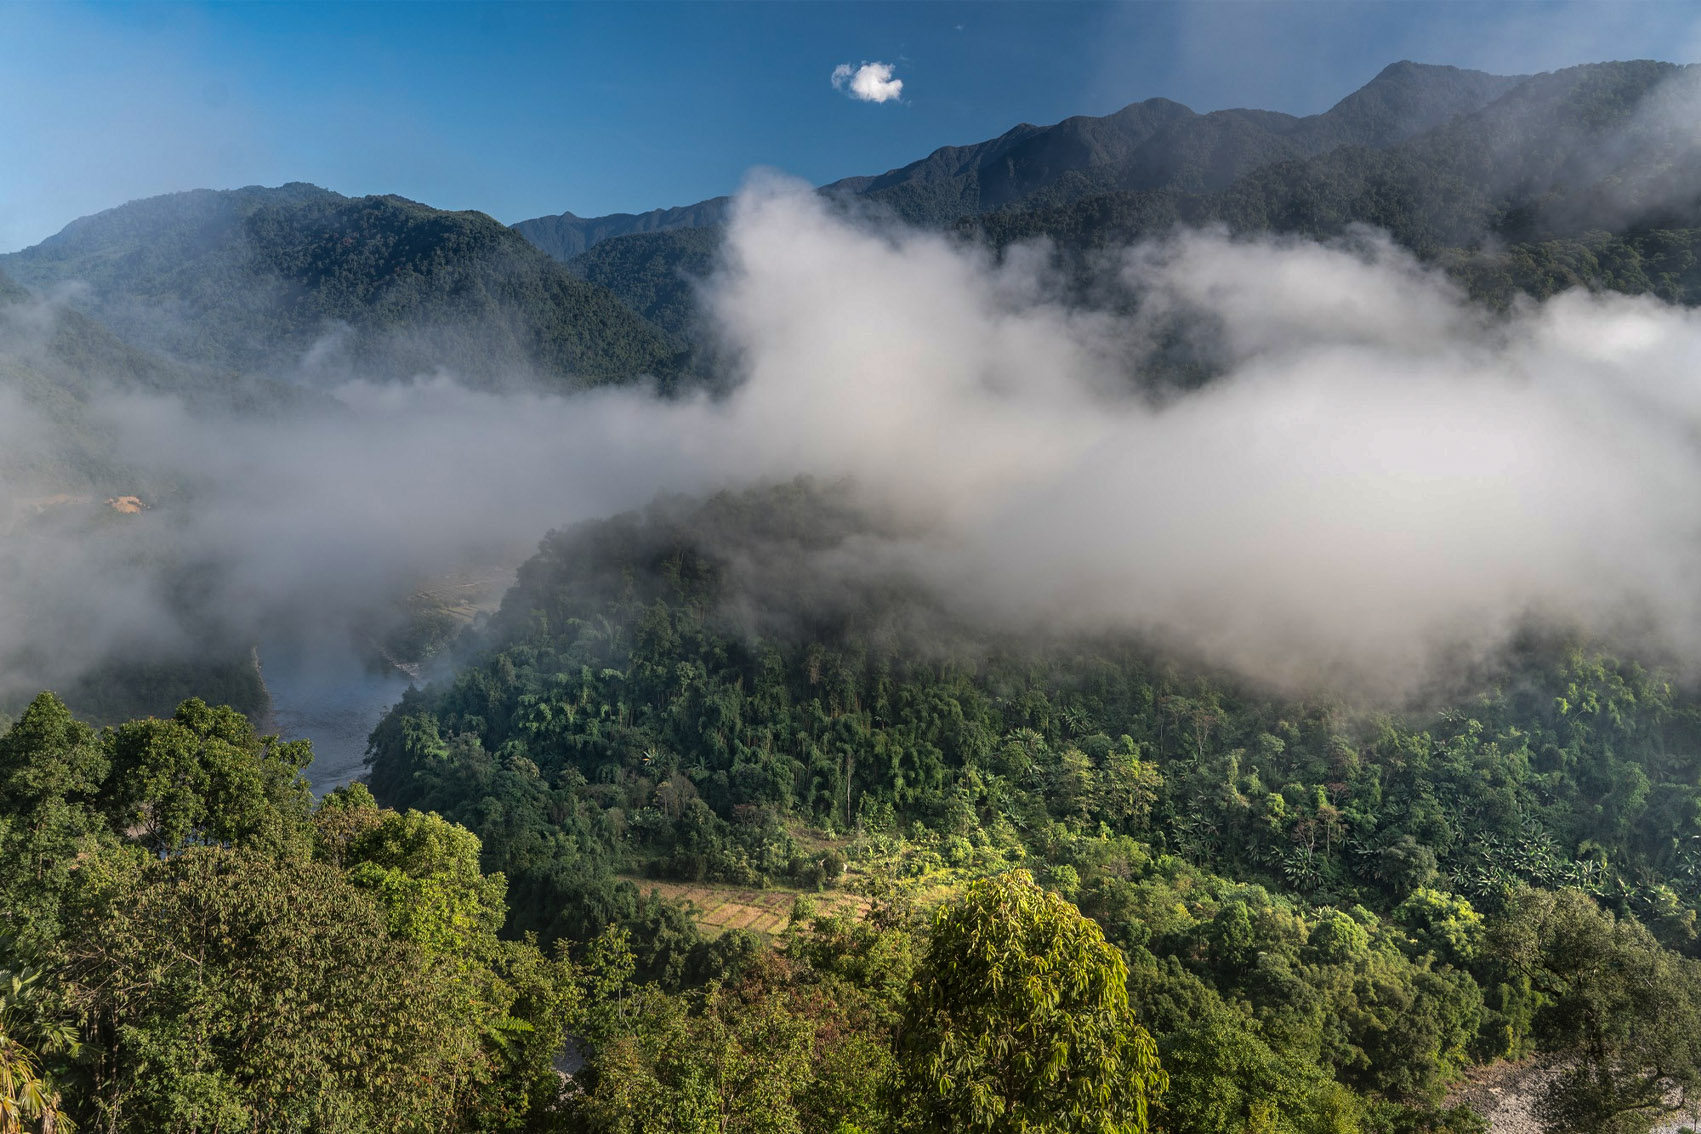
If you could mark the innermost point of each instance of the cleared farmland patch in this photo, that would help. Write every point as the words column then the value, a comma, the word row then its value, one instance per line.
column 720, row 908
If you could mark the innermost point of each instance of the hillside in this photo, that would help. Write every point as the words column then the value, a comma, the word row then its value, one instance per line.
column 1582, row 177
column 57, row 360
column 66, row 480
column 1561, row 155
column 1316, row 901
column 564, row 236
column 1159, row 144
column 653, row 273
column 1148, row 145
column 301, row 281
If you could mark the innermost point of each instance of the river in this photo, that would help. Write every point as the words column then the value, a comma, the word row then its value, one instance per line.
column 334, row 702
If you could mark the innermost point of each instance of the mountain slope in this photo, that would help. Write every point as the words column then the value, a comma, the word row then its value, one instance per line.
column 653, row 273
column 57, row 361
column 1148, row 145
column 1162, row 144
column 1581, row 176
column 298, row 279
column 565, row 236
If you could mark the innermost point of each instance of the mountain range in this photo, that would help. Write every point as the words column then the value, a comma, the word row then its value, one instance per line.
column 1585, row 176
column 1148, row 145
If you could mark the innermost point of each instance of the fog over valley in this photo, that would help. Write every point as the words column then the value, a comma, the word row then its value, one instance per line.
column 1375, row 469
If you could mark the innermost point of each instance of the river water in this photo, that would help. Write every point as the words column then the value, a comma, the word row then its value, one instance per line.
column 333, row 701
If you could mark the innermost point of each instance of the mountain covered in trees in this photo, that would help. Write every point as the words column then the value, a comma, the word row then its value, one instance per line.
column 1517, row 184
column 564, row 235
column 1581, row 177
column 297, row 279
column 1328, row 913
column 1090, row 888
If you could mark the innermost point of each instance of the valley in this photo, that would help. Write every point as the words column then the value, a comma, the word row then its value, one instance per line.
column 1160, row 622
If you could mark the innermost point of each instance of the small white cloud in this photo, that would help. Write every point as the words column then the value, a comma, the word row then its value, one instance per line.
column 871, row 82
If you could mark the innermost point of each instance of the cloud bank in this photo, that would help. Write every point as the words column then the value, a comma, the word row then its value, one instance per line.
column 1379, row 470
column 1376, row 472
column 871, row 82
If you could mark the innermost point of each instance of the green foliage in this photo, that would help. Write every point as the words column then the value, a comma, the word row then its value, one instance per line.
column 1626, row 1010
column 1018, row 1019
column 1329, row 881
column 618, row 719
column 780, row 1050
column 198, row 949
column 51, row 770
column 313, row 1017
column 1443, row 925
column 36, row 1041
column 204, row 776
column 1223, row 1077
column 424, row 873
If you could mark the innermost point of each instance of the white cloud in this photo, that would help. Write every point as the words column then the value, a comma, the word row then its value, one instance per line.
column 1380, row 475
column 871, row 82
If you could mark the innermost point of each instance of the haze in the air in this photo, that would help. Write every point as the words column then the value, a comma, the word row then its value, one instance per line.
column 1379, row 470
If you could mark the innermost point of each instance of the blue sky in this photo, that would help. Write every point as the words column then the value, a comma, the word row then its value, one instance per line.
column 522, row 109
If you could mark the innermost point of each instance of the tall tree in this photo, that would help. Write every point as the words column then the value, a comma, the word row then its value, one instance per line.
column 1018, row 1020
column 1626, row 1012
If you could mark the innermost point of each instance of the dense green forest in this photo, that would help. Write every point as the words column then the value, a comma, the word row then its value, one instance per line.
column 1328, row 912
column 1089, row 889
column 192, row 944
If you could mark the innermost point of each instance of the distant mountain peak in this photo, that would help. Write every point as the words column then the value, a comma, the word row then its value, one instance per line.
column 1406, row 98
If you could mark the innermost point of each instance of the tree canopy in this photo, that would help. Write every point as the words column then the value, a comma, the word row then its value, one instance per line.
column 1018, row 1020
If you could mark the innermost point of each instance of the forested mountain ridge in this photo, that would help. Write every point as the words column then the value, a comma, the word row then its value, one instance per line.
column 1587, row 149
column 1579, row 177
column 564, row 236
column 1162, row 144
column 655, row 274
column 298, row 278
column 1146, row 145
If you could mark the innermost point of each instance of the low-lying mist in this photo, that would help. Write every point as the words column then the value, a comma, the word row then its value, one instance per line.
column 1377, row 475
